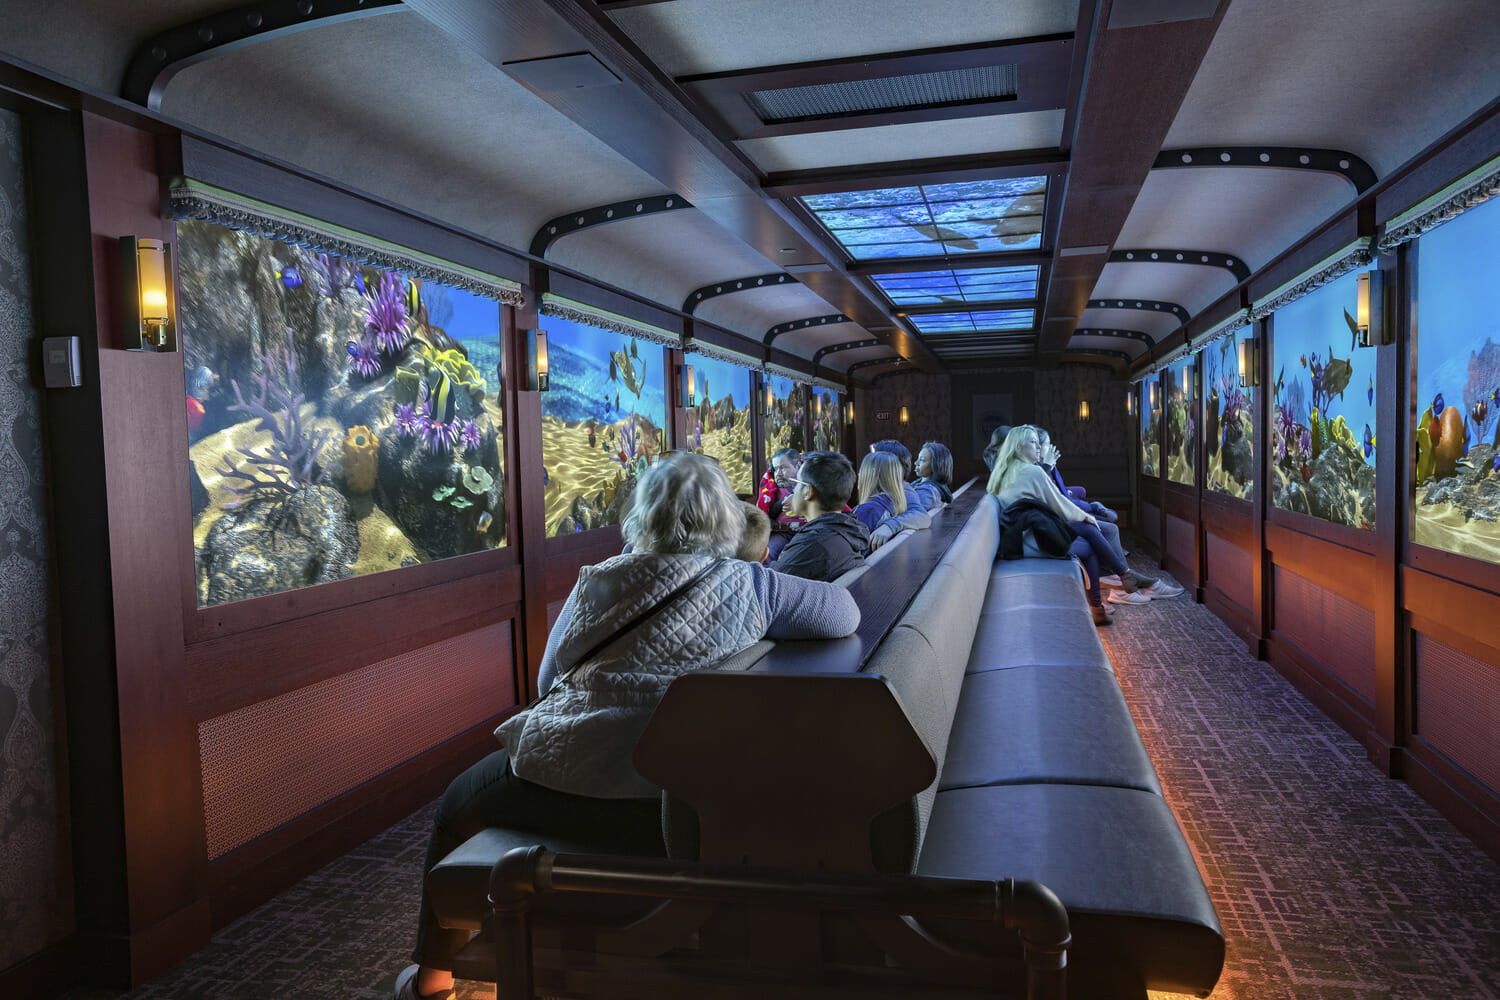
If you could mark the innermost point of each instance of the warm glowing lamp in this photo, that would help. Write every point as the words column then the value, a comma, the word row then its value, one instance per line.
column 146, row 282
column 1083, row 409
column 905, row 415
column 687, row 387
column 818, row 405
column 849, row 412
column 1130, row 403
column 766, row 397
column 536, row 360
column 1370, row 310
column 1154, row 405
column 1249, row 362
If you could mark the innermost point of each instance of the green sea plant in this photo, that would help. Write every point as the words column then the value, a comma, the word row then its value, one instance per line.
column 477, row 479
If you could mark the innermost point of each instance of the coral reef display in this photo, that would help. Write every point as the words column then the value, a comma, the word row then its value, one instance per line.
column 1228, row 420
column 326, row 401
column 1457, row 437
column 826, row 420
column 1150, row 413
column 1322, row 465
column 1178, row 423
column 602, row 423
column 719, row 425
column 786, row 417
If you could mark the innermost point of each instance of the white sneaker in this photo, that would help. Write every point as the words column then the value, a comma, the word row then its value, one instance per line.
column 1161, row 588
column 1113, row 580
column 1120, row 597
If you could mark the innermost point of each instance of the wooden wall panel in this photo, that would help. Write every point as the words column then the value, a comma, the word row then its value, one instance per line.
column 1333, row 633
column 1231, row 569
column 1458, row 706
column 1151, row 523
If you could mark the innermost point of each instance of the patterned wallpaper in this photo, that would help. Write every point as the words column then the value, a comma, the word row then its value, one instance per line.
column 926, row 398
column 1108, row 430
column 35, row 903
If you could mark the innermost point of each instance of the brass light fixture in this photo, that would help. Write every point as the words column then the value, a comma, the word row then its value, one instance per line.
column 687, row 387
column 146, row 292
column 905, row 415
column 1083, row 409
column 536, row 361
column 1370, row 319
column 1249, row 362
column 849, row 412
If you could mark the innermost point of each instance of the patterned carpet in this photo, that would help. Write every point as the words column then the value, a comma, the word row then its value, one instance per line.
column 1332, row 882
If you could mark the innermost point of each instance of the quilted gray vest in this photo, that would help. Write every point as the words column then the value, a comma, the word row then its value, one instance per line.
column 579, row 738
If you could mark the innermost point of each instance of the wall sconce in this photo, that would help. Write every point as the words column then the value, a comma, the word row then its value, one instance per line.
column 1130, row 403
column 1370, row 311
column 905, row 416
column 817, row 406
column 1083, row 409
column 536, row 360
column 687, row 387
column 849, row 412
column 1155, row 406
column 1249, row 362
column 146, row 291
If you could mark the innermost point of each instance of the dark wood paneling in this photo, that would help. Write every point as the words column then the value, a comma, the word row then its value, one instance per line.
column 1473, row 809
column 1231, row 518
column 1331, row 565
column 1230, row 571
column 1458, row 614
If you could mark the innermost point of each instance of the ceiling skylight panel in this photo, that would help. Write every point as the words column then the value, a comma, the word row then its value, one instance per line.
column 982, row 284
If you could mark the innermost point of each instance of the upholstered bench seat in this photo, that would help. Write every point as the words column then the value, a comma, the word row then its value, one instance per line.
column 1114, row 856
column 1022, row 590
column 1039, row 637
column 1066, row 725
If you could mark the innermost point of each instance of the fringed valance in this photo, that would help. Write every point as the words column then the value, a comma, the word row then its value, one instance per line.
column 721, row 354
column 581, row 312
column 190, row 199
column 1355, row 255
column 801, row 378
column 1463, row 194
column 1167, row 360
column 831, row 386
column 1230, row 324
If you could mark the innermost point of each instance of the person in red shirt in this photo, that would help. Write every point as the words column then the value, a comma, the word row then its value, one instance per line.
column 775, row 496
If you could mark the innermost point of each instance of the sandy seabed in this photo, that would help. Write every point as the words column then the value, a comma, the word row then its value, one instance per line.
column 1443, row 526
column 1222, row 482
column 731, row 449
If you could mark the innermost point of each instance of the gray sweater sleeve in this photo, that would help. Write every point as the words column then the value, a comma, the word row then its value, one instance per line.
column 803, row 609
column 546, row 674
column 915, row 518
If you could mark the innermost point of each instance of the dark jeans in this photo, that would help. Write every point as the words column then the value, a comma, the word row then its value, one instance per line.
column 1108, row 558
column 489, row 794
column 1085, row 553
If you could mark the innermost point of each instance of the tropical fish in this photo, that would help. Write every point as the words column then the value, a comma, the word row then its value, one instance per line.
column 1303, row 360
column 1437, row 404
column 621, row 362
column 1479, row 411
column 1370, row 396
column 202, row 382
column 1353, row 330
column 613, row 375
column 633, row 352
column 1280, row 381
column 485, row 520
column 413, row 296
column 289, row 276
column 1336, row 375
column 1369, row 443
column 1495, row 465
column 617, row 400
column 545, row 478
column 440, row 391
column 194, row 414
column 359, row 282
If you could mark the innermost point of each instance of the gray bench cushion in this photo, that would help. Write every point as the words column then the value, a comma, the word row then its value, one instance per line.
column 1116, row 858
column 1067, row 725
column 1041, row 637
column 1023, row 591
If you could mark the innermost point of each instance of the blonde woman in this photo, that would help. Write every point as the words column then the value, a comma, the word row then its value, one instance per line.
column 886, row 504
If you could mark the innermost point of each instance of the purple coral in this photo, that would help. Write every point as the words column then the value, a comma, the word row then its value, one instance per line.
column 473, row 437
column 407, row 421
column 1304, row 442
column 435, row 435
column 385, row 314
column 287, row 465
column 364, row 356
column 628, row 436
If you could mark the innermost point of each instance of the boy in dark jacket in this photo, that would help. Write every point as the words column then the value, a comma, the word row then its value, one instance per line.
column 832, row 542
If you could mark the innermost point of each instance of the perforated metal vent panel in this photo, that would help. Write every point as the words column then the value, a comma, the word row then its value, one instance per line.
column 1337, row 634
column 1458, row 707
column 268, row 763
column 1231, row 569
column 1151, row 522
column 890, row 93
column 1180, row 539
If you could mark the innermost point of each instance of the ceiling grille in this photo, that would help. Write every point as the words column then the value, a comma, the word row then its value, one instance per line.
column 890, row 93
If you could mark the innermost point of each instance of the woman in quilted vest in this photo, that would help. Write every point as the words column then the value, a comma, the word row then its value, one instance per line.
column 678, row 601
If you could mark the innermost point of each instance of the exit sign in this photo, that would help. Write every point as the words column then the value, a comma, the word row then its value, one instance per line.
column 882, row 414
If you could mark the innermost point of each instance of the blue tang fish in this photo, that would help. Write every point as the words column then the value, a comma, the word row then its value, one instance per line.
column 1369, row 445
column 290, row 276
column 1437, row 405
column 1371, row 394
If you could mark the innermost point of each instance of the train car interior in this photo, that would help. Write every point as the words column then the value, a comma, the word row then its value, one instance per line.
column 338, row 336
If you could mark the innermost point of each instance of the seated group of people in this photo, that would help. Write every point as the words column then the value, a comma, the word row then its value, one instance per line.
column 816, row 534
column 1043, row 516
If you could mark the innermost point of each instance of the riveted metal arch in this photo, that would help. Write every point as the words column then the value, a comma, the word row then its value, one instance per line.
column 1203, row 258
column 823, row 352
column 803, row 324
column 555, row 229
column 1347, row 165
column 1094, row 331
column 1145, row 305
column 894, row 359
column 164, row 55
column 1101, row 351
column 892, row 374
column 733, row 285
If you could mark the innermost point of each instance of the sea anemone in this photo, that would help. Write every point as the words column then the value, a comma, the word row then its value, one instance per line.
column 473, row 437
column 407, row 421
column 1305, row 441
column 385, row 314
column 364, row 356
column 435, row 435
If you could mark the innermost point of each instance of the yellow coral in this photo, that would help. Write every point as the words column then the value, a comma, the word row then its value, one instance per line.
column 457, row 368
column 361, row 458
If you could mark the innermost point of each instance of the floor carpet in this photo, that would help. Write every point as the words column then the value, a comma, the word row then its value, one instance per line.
column 1332, row 882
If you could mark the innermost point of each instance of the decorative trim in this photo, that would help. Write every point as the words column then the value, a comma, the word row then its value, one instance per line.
column 1355, row 255
column 895, row 359
column 732, row 285
column 848, row 345
column 1144, row 305
column 830, row 385
column 781, row 371
column 1223, row 328
column 1347, row 165
column 586, row 218
column 1478, row 185
column 802, row 324
column 748, row 361
column 1097, row 331
column 1201, row 258
column 582, row 312
column 1169, row 359
column 190, row 199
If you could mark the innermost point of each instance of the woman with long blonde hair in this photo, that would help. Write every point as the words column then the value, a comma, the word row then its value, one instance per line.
column 886, row 504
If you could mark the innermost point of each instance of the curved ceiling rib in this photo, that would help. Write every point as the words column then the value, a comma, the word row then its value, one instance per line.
column 802, row 324
column 732, row 285
column 1103, row 351
column 1201, row 258
column 850, row 345
column 1145, row 305
column 1140, row 335
column 167, row 53
column 555, row 229
column 1347, row 165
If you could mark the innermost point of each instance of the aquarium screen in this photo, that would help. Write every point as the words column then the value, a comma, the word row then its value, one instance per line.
column 826, row 419
column 1150, row 413
column 1228, row 420
column 1323, row 409
column 342, row 419
column 602, row 422
column 719, row 425
column 1179, row 416
column 1458, row 386
column 784, row 417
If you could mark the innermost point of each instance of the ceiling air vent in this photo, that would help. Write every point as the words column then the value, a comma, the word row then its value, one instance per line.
column 913, row 92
